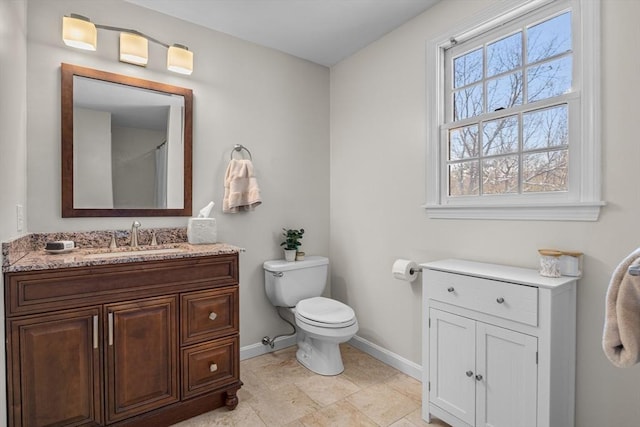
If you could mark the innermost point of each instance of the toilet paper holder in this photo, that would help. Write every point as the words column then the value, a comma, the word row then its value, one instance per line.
column 406, row 270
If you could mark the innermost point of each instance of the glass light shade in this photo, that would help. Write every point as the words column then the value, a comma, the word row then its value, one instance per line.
column 180, row 59
column 134, row 49
column 79, row 32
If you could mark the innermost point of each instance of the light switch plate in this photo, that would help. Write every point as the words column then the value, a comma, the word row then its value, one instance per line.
column 19, row 218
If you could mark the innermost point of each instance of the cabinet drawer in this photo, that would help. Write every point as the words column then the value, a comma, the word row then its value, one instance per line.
column 209, row 314
column 43, row 290
column 208, row 366
column 507, row 300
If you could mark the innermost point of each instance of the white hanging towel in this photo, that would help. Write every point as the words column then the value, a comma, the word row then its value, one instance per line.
column 241, row 192
column 621, row 336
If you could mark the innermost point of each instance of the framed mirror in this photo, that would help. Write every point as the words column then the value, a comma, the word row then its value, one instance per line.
column 126, row 145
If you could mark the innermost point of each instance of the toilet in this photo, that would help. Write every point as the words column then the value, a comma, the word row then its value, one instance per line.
column 322, row 323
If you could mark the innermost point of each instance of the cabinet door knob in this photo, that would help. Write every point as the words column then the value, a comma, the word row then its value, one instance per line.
column 450, row 289
column 213, row 367
column 212, row 316
column 479, row 377
column 500, row 300
column 469, row 373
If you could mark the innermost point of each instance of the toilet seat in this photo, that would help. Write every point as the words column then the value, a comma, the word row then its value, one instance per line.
column 325, row 313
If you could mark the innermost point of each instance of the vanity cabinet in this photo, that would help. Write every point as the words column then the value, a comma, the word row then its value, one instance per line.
column 143, row 343
column 498, row 346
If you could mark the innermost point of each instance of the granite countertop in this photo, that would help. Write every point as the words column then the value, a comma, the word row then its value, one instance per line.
column 28, row 254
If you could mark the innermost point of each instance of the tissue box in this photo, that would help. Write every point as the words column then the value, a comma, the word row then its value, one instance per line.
column 201, row 231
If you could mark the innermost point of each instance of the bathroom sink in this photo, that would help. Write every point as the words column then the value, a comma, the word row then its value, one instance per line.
column 133, row 253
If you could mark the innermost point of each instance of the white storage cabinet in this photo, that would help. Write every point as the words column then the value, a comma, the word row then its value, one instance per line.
column 498, row 346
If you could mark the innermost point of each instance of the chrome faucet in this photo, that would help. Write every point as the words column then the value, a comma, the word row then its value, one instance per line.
column 113, row 244
column 134, row 234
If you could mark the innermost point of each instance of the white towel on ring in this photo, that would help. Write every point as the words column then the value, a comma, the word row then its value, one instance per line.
column 621, row 336
column 241, row 192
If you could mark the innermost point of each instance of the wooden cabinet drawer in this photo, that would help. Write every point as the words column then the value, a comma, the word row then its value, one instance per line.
column 37, row 291
column 507, row 300
column 209, row 314
column 208, row 366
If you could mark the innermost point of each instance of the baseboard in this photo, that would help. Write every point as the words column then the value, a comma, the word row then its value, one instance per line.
column 385, row 356
column 382, row 354
column 258, row 349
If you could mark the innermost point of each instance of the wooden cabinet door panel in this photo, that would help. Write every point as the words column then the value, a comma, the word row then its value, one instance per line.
column 452, row 364
column 142, row 356
column 506, row 394
column 56, row 370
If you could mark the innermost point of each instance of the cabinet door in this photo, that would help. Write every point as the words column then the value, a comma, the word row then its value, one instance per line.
column 452, row 364
column 507, row 388
column 55, row 370
column 142, row 351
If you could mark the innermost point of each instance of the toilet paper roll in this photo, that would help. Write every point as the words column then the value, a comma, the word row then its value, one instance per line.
column 403, row 269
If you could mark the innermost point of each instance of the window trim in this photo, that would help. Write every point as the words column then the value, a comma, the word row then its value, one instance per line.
column 585, row 203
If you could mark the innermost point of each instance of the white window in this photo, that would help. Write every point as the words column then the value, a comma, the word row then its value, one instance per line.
column 515, row 129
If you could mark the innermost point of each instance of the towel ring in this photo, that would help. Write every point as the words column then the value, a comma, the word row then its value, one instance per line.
column 238, row 148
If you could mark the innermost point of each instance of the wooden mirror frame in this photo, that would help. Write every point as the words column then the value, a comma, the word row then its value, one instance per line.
column 68, row 211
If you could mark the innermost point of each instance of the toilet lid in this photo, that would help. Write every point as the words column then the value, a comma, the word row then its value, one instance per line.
column 325, row 310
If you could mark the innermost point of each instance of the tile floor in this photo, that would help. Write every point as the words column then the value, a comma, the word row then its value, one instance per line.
column 278, row 391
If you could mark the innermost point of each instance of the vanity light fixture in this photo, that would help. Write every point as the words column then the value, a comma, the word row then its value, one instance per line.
column 180, row 59
column 134, row 49
column 78, row 31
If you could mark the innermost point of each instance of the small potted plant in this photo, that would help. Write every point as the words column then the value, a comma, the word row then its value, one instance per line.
column 291, row 243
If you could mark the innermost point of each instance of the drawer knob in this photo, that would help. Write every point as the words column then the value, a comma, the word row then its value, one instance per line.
column 213, row 367
column 469, row 373
column 450, row 289
column 479, row 377
column 213, row 315
column 500, row 300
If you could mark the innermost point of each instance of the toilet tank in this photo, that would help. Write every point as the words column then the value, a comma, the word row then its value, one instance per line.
column 286, row 282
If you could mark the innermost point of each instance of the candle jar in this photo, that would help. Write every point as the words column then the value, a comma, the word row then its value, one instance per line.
column 550, row 262
column 571, row 264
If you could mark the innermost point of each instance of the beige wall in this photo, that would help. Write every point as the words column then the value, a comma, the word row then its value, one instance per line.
column 13, row 114
column 278, row 106
column 275, row 104
column 13, row 141
column 377, row 162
